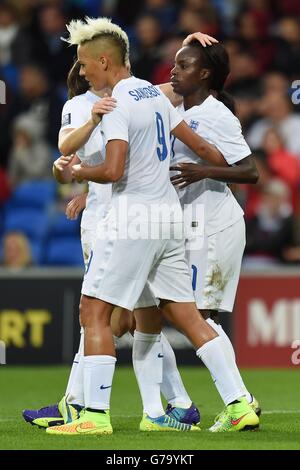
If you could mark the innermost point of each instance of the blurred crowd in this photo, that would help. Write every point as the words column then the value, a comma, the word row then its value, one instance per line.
column 263, row 41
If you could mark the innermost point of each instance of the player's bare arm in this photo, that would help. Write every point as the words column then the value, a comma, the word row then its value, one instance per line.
column 62, row 168
column 110, row 171
column 167, row 90
column 244, row 171
column 198, row 145
column 70, row 140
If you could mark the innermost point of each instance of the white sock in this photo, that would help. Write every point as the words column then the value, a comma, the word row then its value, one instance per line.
column 74, row 392
column 212, row 355
column 98, row 377
column 147, row 357
column 172, row 386
column 230, row 357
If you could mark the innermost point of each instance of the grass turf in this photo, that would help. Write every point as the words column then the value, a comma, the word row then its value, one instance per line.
column 33, row 387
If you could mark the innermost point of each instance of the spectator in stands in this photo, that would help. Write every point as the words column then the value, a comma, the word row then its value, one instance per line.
column 15, row 46
column 282, row 163
column 149, row 36
column 164, row 10
column 30, row 157
column 252, row 33
column 191, row 20
column 275, row 82
column 16, row 251
column 277, row 111
column 270, row 232
column 287, row 58
column 38, row 100
column 56, row 56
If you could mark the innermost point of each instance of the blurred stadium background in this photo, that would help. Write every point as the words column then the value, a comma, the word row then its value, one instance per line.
column 41, row 260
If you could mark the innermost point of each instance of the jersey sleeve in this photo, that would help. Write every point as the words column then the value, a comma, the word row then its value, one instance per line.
column 230, row 140
column 115, row 125
column 73, row 115
column 175, row 117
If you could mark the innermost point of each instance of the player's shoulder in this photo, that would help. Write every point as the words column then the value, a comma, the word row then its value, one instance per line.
column 216, row 111
column 136, row 88
column 76, row 102
column 220, row 109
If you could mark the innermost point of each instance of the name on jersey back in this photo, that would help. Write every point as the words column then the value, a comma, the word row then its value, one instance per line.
column 145, row 92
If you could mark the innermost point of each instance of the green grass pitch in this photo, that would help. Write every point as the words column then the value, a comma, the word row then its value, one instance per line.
column 31, row 387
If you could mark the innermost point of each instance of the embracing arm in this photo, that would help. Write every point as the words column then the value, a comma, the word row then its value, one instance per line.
column 111, row 170
column 70, row 140
column 243, row 171
column 62, row 168
column 167, row 90
column 198, row 145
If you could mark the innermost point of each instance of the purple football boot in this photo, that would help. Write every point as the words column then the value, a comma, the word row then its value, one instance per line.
column 189, row 415
column 44, row 417
column 53, row 415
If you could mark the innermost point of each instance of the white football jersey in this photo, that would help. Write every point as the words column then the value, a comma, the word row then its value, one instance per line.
column 213, row 121
column 75, row 113
column 144, row 118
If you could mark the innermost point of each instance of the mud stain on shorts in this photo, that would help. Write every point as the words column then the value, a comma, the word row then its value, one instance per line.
column 215, row 283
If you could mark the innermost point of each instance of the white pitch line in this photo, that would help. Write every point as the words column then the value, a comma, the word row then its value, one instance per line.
column 283, row 412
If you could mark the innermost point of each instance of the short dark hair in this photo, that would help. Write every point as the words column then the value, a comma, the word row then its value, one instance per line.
column 216, row 58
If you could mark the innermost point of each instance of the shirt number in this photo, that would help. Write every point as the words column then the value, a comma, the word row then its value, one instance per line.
column 162, row 150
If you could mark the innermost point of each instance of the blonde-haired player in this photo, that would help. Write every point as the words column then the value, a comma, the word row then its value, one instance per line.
column 137, row 163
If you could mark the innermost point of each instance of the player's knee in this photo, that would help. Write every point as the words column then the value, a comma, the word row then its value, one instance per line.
column 91, row 315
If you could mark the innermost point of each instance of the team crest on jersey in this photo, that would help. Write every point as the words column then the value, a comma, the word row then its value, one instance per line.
column 66, row 120
column 194, row 125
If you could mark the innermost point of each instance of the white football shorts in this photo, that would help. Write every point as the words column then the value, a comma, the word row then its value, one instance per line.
column 119, row 269
column 215, row 267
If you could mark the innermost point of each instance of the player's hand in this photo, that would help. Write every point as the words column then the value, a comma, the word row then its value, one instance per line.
column 75, row 206
column 62, row 162
column 204, row 39
column 104, row 106
column 78, row 172
column 189, row 173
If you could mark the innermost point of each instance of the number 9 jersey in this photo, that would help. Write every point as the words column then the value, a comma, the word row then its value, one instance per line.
column 144, row 118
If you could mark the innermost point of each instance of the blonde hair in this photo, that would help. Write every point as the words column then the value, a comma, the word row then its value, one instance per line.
column 96, row 28
column 24, row 256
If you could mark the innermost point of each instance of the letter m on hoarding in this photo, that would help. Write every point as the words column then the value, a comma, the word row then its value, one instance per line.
column 2, row 92
column 2, row 353
column 268, row 327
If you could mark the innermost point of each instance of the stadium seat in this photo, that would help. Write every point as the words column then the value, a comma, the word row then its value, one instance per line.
column 37, row 249
column 33, row 222
column 63, row 251
column 63, row 227
column 33, row 194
